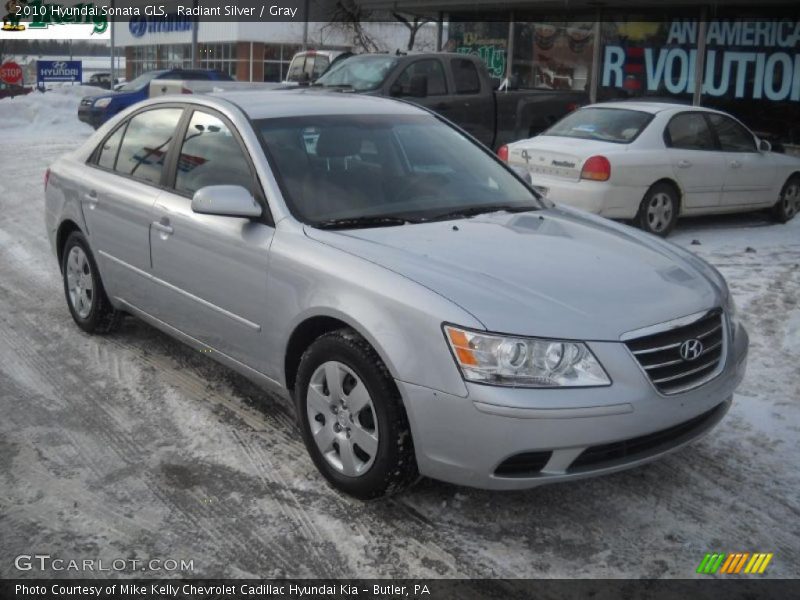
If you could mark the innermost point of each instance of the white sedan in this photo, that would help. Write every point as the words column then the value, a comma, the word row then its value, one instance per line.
column 652, row 162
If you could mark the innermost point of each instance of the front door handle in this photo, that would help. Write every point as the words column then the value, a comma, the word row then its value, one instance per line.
column 735, row 164
column 164, row 228
column 684, row 164
column 91, row 198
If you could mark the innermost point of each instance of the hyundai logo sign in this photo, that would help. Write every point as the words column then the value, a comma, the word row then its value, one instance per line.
column 59, row 70
column 139, row 26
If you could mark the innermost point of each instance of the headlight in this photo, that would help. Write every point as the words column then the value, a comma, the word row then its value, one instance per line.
column 524, row 362
column 102, row 102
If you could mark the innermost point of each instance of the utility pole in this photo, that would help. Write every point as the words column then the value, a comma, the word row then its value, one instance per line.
column 305, row 30
column 195, row 26
column 113, row 71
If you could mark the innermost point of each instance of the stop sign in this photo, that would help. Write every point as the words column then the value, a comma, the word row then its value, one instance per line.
column 11, row 72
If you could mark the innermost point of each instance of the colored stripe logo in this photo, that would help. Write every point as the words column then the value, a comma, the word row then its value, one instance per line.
column 734, row 563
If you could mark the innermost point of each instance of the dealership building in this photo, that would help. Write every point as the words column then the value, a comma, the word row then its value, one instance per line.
column 248, row 51
column 738, row 56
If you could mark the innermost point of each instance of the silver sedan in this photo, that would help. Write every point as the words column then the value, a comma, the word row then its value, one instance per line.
column 423, row 308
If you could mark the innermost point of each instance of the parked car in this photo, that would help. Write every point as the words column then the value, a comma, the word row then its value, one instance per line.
column 457, row 86
column 9, row 90
column 102, row 80
column 96, row 110
column 653, row 162
column 424, row 308
column 308, row 65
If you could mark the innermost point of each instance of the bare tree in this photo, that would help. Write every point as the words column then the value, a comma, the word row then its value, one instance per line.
column 414, row 24
column 349, row 17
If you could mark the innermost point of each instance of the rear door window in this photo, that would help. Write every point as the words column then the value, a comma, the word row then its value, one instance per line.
column 146, row 143
column 107, row 152
column 689, row 131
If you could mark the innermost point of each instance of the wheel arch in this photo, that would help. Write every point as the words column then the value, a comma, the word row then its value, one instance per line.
column 673, row 184
column 792, row 175
column 64, row 230
column 309, row 328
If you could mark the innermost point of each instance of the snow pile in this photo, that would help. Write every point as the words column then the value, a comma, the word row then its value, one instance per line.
column 54, row 112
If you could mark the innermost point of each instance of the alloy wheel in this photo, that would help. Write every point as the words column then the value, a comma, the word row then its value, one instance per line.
column 791, row 200
column 342, row 418
column 659, row 212
column 79, row 282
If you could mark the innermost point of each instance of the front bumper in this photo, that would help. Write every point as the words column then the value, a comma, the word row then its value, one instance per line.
column 93, row 116
column 465, row 440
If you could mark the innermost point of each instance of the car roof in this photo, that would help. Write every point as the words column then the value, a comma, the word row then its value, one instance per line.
column 649, row 107
column 270, row 104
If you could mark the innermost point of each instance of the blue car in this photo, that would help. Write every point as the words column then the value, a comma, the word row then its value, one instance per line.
column 96, row 110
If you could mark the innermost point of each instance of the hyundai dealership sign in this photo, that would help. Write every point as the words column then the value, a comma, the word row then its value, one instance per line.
column 51, row 71
column 167, row 23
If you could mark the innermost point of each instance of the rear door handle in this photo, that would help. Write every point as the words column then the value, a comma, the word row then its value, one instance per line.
column 735, row 164
column 163, row 227
column 683, row 164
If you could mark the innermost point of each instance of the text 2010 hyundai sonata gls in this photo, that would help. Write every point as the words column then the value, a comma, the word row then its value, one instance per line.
column 425, row 310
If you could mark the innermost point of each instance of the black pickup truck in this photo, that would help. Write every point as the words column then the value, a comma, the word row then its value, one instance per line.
column 457, row 86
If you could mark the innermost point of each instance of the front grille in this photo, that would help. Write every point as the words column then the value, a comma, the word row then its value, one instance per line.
column 627, row 450
column 523, row 465
column 660, row 354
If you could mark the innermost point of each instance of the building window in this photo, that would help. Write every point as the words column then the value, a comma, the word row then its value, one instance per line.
column 218, row 57
column 555, row 56
column 488, row 40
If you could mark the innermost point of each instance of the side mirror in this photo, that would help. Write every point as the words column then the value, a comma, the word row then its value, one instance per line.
column 225, row 201
column 764, row 146
column 396, row 90
column 418, row 86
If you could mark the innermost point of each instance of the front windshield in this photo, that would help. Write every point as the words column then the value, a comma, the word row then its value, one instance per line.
column 410, row 167
column 617, row 125
column 141, row 81
column 360, row 73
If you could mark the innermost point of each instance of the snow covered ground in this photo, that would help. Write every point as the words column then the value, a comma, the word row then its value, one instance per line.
column 134, row 446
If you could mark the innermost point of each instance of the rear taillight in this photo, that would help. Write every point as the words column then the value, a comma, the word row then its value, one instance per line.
column 46, row 177
column 572, row 106
column 596, row 168
column 185, row 90
column 502, row 153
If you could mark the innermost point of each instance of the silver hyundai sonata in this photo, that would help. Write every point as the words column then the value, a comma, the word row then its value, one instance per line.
column 426, row 312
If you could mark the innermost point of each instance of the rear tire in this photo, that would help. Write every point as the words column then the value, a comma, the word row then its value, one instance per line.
column 352, row 417
column 658, row 211
column 788, row 205
column 83, row 288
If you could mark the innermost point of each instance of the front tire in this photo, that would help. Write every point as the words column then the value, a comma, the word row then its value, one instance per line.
column 658, row 211
column 352, row 418
column 788, row 204
column 83, row 288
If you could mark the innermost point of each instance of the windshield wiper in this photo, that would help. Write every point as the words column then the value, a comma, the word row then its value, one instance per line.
column 471, row 211
column 360, row 222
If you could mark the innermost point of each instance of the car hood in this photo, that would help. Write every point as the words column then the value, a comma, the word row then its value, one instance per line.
column 549, row 273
